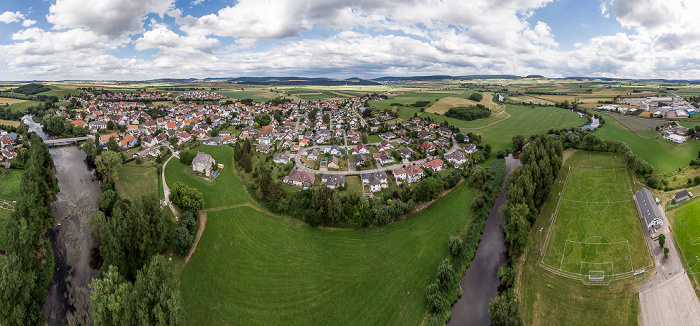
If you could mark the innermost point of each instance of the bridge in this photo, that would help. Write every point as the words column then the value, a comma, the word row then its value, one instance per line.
column 67, row 140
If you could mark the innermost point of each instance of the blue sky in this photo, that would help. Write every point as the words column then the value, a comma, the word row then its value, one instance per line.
column 145, row 39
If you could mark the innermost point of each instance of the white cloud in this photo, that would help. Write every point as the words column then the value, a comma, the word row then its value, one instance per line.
column 10, row 17
column 196, row 2
column 28, row 22
column 160, row 37
column 114, row 18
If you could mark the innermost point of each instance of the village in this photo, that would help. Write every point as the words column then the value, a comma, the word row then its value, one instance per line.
column 331, row 139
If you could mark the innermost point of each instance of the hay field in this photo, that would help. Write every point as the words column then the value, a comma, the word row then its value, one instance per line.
column 446, row 103
column 9, row 101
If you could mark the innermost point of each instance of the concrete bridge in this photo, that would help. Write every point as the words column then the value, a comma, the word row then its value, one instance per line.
column 67, row 140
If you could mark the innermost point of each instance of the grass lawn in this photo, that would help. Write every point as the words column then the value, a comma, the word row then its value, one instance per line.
column 22, row 107
column 9, row 185
column 596, row 226
column 374, row 138
column 254, row 268
column 526, row 121
column 137, row 180
column 662, row 154
column 226, row 190
column 686, row 229
column 550, row 299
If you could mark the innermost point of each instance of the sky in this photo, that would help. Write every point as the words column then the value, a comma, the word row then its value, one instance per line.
column 150, row 39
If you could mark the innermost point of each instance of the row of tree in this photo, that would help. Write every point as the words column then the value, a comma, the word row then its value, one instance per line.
column 27, row 269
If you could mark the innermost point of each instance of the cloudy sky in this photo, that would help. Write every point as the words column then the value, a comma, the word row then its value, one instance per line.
column 145, row 39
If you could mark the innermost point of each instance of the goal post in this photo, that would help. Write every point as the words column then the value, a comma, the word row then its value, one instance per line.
column 595, row 276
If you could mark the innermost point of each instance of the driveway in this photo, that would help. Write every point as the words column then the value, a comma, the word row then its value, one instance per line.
column 668, row 298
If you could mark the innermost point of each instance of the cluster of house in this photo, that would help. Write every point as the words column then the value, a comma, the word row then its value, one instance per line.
column 676, row 134
column 8, row 140
column 200, row 96
column 128, row 97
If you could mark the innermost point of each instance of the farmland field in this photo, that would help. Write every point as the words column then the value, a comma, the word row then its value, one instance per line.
column 637, row 124
column 550, row 299
column 252, row 268
column 596, row 227
column 9, row 123
column 662, row 154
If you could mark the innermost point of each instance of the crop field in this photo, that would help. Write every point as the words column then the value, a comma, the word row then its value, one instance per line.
column 225, row 190
column 9, row 101
column 529, row 99
column 685, row 220
column 596, row 228
column 9, row 185
column 9, row 123
column 449, row 102
column 662, row 154
column 547, row 298
column 637, row 124
column 142, row 180
column 254, row 268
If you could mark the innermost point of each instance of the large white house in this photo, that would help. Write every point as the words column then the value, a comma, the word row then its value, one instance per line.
column 202, row 163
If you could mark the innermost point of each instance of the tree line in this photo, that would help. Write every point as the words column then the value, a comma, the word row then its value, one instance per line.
column 28, row 267
column 136, row 285
column 468, row 113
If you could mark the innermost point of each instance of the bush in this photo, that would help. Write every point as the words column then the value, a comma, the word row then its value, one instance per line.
column 455, row 244
column 186, row 197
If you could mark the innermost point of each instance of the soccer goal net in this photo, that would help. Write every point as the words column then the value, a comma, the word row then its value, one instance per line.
column 596, row 276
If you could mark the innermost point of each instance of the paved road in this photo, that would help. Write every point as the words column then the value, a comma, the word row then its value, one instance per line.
column 300, row 166
column 668, row 298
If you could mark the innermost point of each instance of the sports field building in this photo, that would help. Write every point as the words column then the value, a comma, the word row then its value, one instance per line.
column 647, row 208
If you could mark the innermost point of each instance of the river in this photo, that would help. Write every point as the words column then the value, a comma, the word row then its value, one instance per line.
column 480, row 282
column 68, row 302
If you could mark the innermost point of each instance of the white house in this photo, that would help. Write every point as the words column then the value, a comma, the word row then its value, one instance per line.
column 647, row 208
column 202, row 163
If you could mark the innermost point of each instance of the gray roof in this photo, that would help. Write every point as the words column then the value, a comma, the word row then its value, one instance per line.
column 647, row 206
column 203, row 159
column 683, row 194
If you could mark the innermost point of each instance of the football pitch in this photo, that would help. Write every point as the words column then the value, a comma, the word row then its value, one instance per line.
column 595, row 234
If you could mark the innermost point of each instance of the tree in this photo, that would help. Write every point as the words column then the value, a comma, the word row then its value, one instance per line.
column 186, row 197
column 459, row 137
column 108, row 165
column 662, row 240
column 110, row 125
column 110, row 299
column 455, row 244
column 436, row 302
column 666, row 250
column 172, row 140
column 516, row 228
column 156, row 295
column 518, row 141
column 133, row 234
column 113, row 146
column 479, row 176
column 186, row 157
column 504, row 311
column 183, row 241
column 446, row 276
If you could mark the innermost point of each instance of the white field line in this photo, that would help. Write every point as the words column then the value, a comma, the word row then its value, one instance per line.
column 556, row 211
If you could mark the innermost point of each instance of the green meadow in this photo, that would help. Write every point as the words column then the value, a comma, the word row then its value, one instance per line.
column 251, row 267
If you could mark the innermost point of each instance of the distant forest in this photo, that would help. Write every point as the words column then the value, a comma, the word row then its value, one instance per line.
column 31, row 89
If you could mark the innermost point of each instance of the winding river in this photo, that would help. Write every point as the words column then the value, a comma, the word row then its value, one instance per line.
column 480, row 282
column 68, row 302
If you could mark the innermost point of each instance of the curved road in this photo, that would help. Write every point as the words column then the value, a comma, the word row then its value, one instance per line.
column 300, row 166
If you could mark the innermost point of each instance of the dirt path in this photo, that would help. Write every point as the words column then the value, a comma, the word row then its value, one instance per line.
column 202, row 225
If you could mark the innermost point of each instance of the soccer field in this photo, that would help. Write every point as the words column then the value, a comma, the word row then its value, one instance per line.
column 595, row 234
